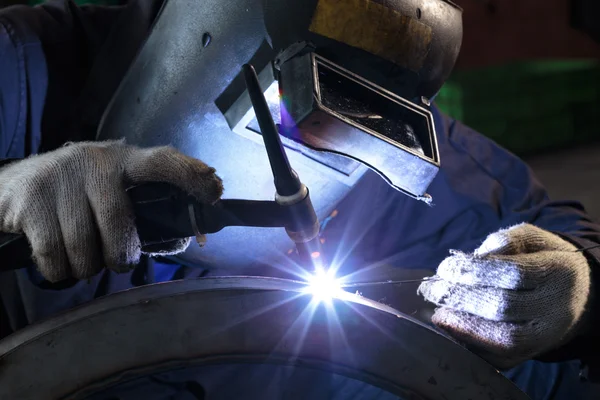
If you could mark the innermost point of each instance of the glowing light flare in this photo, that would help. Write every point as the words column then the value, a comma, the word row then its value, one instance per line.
column 324, row 286
column 273, row 93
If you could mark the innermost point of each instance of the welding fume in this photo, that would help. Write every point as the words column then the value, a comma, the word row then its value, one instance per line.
column 295, row 136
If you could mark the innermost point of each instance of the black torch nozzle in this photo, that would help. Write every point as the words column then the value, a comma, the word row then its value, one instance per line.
column 287, row 182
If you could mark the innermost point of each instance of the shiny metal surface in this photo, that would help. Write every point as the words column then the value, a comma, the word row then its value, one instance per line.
column 231, row 320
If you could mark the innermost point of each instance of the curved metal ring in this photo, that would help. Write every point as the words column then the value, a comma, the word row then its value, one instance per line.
column 209, row 320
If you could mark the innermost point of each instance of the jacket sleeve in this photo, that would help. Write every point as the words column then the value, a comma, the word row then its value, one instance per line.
column 46, row 53
column 508, row 187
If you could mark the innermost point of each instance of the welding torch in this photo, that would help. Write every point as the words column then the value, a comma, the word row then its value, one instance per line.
column 164, row 213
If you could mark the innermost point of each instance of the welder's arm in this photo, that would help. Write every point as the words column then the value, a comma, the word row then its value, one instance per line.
column 489, row 297
column 570, row 221
column 47, row 53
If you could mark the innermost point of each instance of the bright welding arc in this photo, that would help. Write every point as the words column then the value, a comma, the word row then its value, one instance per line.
column 324, row 286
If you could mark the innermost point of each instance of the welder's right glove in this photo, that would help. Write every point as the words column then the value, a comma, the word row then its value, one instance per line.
column 72, row 205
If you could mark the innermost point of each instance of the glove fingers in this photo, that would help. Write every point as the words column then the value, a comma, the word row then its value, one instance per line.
column 48, row 249
column 503, row 344
column 522, row 238
column 81, row 240
column 525, row 271
column 487, row 302
column 165, row 164
column 115, row 220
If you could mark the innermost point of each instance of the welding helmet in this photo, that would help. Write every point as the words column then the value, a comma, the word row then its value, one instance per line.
column 348, row 82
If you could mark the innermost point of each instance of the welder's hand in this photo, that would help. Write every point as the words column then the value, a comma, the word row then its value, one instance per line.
column 520, row 294
column 72, row 205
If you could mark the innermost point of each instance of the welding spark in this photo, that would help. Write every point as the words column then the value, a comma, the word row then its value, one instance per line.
column 324, row 286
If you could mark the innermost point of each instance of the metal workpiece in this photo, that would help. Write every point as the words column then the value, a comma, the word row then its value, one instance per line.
column 239, row 320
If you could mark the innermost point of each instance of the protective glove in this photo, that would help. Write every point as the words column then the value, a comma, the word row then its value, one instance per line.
column 72, row 205
column 522, row 293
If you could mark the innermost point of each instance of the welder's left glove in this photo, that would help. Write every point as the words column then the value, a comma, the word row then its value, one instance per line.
column 522, row 293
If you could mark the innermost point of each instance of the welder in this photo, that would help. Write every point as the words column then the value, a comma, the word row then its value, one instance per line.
column 518, row 286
